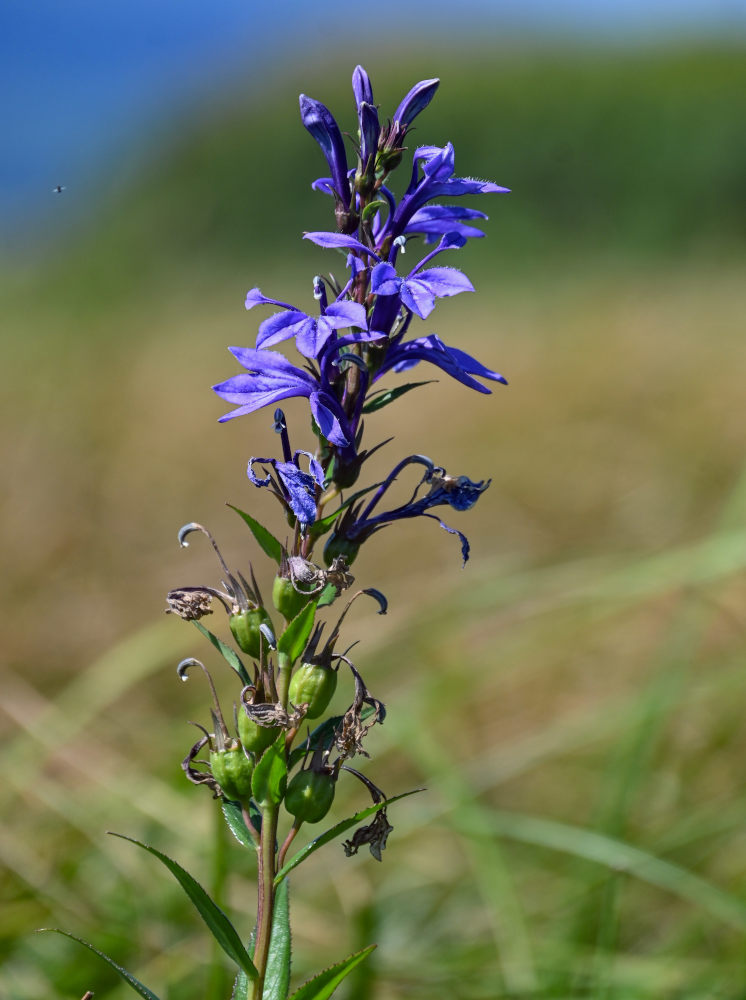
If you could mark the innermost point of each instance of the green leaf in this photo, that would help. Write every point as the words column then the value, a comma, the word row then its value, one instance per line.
column 217, row 922
column 241, row 985
column 335, row 831
column 277, row 976
column 226, row 652
column 328, row 596
column 136, row 985
column 322, row 986
column 382, row 399
column 236, row 824
column 266, row 539
column 371, row 209
column 293, row 640
column 269, row 780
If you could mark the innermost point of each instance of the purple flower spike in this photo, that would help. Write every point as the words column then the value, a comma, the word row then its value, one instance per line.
column 322, row 126
column 416, row 100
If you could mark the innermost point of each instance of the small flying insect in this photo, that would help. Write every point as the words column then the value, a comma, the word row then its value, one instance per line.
column 58, row 189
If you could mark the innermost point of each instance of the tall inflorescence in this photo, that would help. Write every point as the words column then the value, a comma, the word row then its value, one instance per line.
column 265, row 761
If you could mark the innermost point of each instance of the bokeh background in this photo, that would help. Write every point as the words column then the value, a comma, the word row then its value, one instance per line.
column 573, row 699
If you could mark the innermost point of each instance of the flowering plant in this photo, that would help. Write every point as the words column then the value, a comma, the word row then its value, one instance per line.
column 271, row 773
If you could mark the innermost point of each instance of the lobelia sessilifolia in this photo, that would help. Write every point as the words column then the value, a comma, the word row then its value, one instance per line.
column 275, row 761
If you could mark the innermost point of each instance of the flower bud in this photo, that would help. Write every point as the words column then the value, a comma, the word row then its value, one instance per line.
column 310, row 795
column 313, row 684
column 245, row 628
column 255, row 738
column 288, row 601
column 232, row 770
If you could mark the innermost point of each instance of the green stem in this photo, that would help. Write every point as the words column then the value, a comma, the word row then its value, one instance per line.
column 266, row 877
column 217, row 980
column 283, row 678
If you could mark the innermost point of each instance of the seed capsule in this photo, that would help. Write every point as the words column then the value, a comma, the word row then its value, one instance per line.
column 232, row 771
column 288, row 601
column 337, row 545
column 310, row 795
column 245, row 628
column 255, row 738
column 313, row 684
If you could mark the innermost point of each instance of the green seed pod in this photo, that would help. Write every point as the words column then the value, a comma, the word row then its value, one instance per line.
column 338, row 545
column 232, row 771
column 313, row 684
column 310, row 795
column 245, row 628
column 288, row 601
column 255, row 738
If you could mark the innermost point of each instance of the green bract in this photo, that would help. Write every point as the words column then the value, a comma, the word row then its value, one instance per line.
column 255, row 738
column 245, row 628
column 310, row 795
column 232, row 770
column 288, row 601
column 314, row 685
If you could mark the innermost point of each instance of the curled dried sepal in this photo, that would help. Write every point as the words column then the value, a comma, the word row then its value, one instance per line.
column 200, row 777
column 191, row 603
column 270, row 715
column 348, row 739
column 374, row 834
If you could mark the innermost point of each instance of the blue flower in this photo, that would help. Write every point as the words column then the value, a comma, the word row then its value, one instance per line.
column 296, row 488
column 419, row 289
column 311, row 332
column 269, row 378
column 321, row 124
column 359, row 522
column 458, row 364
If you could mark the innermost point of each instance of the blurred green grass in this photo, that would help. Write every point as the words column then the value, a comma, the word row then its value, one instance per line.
column 573, row 699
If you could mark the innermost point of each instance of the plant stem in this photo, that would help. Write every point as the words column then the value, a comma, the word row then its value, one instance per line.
column 266, row 877
column 287, row 842
column 283, row 679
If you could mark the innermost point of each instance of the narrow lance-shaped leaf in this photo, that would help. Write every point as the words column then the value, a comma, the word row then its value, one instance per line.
column 269, row 780
column 136, row 985
column 322, row 986
column 217, row 922
column 226, row 652
column 277, row 976
column 293, row 640
column 236, row 823
column 335, row 831
column 378, row 401
column 266, row 539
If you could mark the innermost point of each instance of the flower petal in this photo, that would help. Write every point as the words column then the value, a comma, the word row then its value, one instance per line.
column 338, row 241
column 444, row 281
column 281, row 326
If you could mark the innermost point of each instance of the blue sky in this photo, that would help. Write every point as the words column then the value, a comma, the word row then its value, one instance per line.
column 81, row 78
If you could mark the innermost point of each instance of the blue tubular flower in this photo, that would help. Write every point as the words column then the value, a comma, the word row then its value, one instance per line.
column 367, row 116
column 461, row 493
column 433, row 221
column 457, row 364
column 418, row 291
column 415, row 101
column 294, row 487
column 311, row 332
column 437, row 180
column 318, row 120
column 270, row 378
